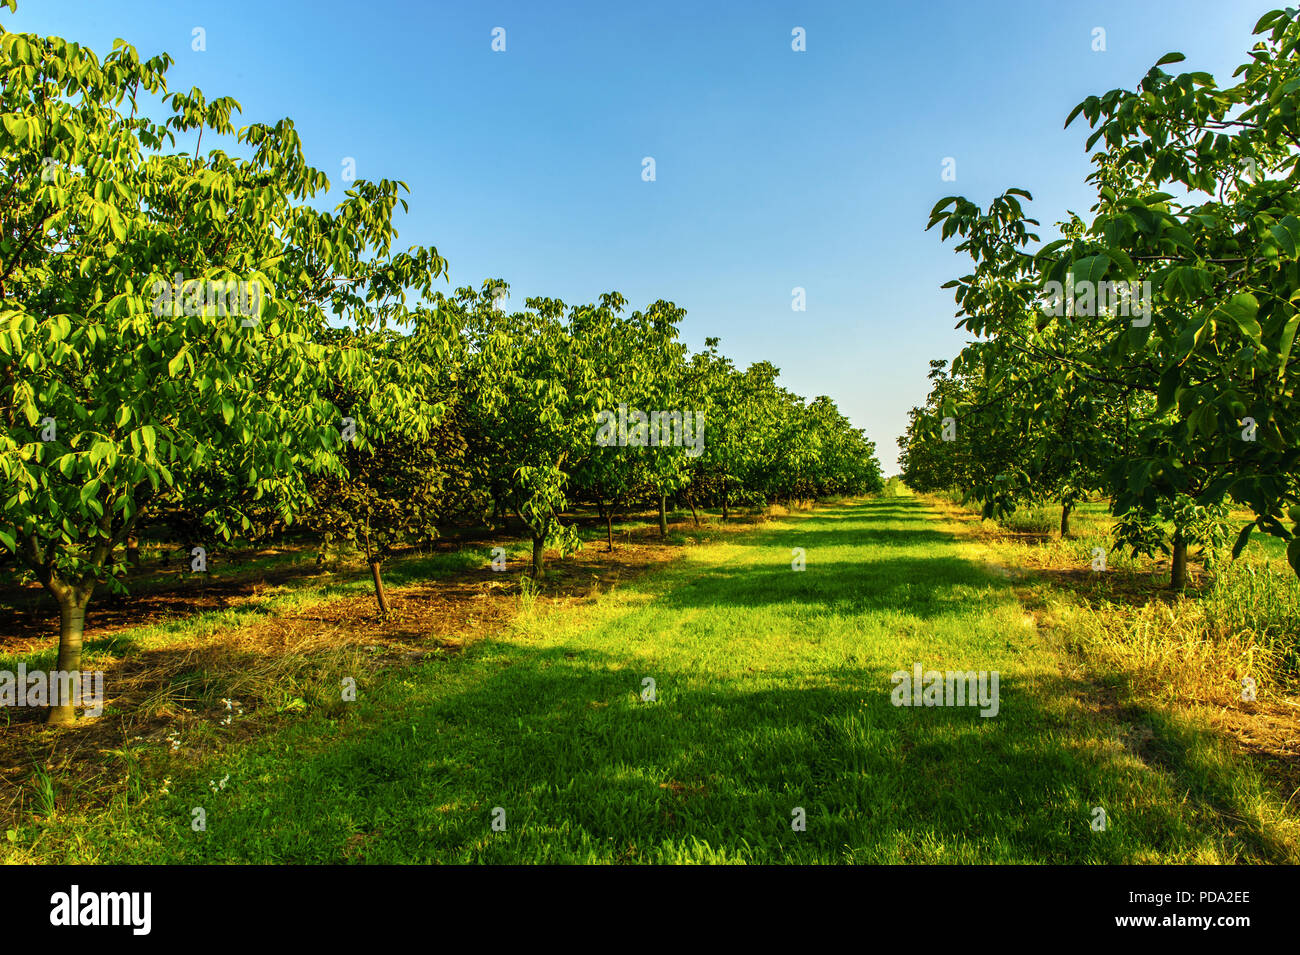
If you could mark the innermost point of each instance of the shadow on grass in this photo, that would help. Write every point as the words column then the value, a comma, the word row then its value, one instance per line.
column 898, row 584
column 586, row 771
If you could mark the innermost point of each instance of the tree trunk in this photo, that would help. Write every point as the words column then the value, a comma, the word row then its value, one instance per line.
column 373, row 560
column 663, row 515
column 690, row 499
column 380, row 596
column 132, row 552
column 1065, row 520
column 72, row 624
column 607, row 515
column 1178, row 563
column 538, row 554
column 724, row 500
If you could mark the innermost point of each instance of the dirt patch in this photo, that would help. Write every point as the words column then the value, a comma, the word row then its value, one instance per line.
column 33, row 617
column 225, row 688
column 161, row 593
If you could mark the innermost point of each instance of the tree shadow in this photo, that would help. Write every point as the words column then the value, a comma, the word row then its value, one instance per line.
column 844, row 587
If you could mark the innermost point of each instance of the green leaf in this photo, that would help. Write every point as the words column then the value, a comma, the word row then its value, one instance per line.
column 1192, row 336
column 1287, row 235
column 116, row 223
column 1090, row 269
column 1168, row 393
column 1266, row 21
column 1242, row 538
column 1285, row 341
column 1242, row 309
column 16, row 125
column 89, row 490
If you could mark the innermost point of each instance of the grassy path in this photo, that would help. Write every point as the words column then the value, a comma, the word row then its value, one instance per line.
column 773, row 692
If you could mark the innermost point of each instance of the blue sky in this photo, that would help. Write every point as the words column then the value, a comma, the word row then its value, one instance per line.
column 774, row 168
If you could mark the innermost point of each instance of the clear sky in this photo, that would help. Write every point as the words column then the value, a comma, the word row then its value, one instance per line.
column 774, row 169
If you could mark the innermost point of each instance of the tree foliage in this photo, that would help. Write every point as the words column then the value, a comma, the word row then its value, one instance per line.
column 187, row 339
column 1147, row 353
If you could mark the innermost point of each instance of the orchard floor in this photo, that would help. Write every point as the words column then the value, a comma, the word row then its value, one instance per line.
column 772, row 703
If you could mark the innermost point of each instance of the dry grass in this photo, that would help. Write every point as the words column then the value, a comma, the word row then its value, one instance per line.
column 1185, row 655
column 1172, row 651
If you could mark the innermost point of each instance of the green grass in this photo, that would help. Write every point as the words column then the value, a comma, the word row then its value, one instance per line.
column 773, row 693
